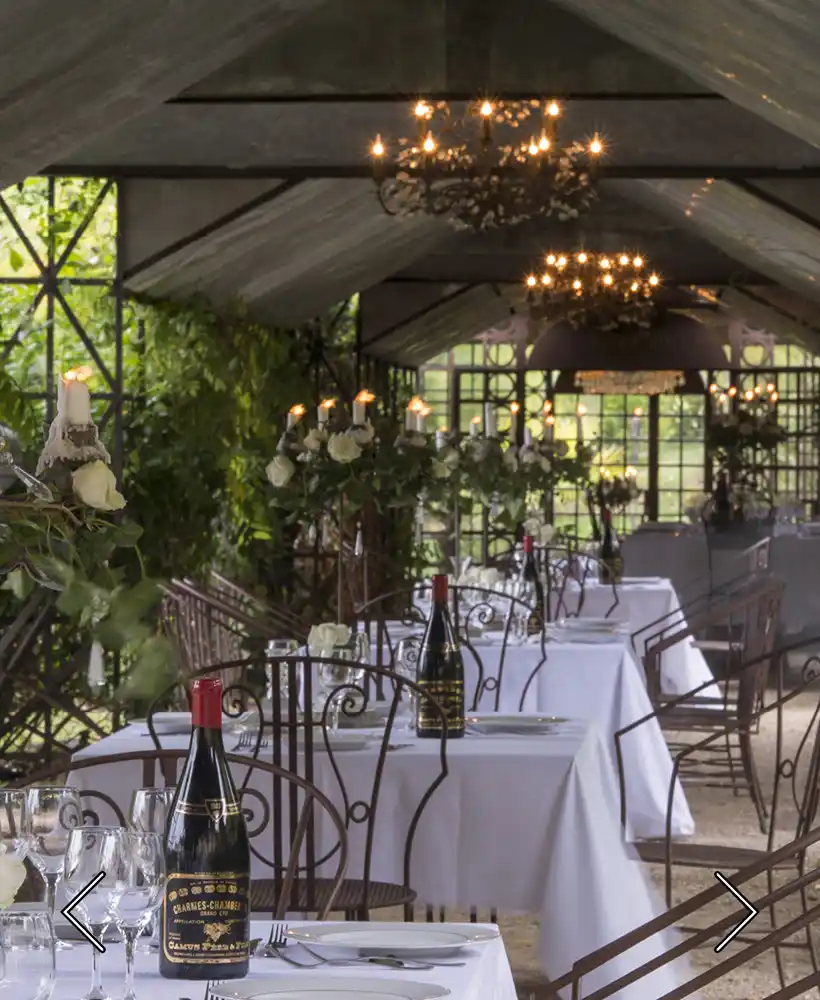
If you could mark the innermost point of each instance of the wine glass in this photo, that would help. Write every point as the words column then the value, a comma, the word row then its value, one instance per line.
column 150, row 808
column 139, row 874
column 91, row 851
column 27, row 946
column 13, row 820
column 406, row 664
column 52, row 813
column 336, row 676
column 276, row 649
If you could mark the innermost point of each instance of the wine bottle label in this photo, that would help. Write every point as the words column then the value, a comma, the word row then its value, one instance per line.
column 214, row 808
column 205, row 918
column 450, row 695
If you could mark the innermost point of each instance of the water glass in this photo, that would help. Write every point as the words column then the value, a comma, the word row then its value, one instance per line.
column 406, row 664
column 13, row 820
column 276, row 649
column 138, row 869
column 150, row 808
column 52, row 813
column 27, row 946
column 92, row 850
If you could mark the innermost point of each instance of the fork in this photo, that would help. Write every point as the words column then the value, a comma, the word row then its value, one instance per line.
column 211, row 983
column 277, row 939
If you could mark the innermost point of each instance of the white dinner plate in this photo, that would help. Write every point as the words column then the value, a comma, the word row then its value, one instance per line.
column 316, row 986
column 399, row 939
column 517, row 725
column 585, row 638
column 589, row 624
column 348, row 740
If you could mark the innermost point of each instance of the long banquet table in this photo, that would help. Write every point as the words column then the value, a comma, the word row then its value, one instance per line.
column 485, row 976
column 521, row 823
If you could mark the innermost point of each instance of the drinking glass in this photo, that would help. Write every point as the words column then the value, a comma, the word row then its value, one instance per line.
column 406, row 664
column 93, row 850
column 13, row 819
column 278, row 648
column 149, row 814
column 27, row 946
column 52, row 813
column 342, row 673
column 139, row 873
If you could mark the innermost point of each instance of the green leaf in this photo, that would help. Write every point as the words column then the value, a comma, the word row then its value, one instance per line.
column 127, row 534
column 18, row 583
column 16, row 262
column 118, row 632
column 76, row 598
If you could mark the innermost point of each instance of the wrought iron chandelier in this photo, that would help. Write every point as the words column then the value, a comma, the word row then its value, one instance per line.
column 455, row 168
column 648, row 383
column 598, row 291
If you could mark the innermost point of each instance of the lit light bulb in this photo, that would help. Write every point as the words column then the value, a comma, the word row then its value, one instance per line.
column 638, row 262
column 634, row 286
column 596, row 147
column 749, row 394
column 732, row 391
column 543, row 142
column 551, row 259
column 532, row 149
column 546, row 279
column 377, row 149
column 577, row 284
column 486, row 109
column 531, row 280
column 421, row 110
column 582, row 258
column 553, row 109
column 623, row 260
column 429, row 143
column 757, row 390
column 713, row 388
column 653, row 279
column 606, row 263
column 607, row 279
column 561, row 262
column 770, row 387
column 774, row 397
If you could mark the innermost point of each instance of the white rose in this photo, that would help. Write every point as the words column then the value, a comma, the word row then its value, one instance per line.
column 480, row 450
column 362, row 435
column 343, row 448
column 545, row 463
column 96, row 486
column 450, row 457
column 12, row 876
column 439, row 470
column 528, row 456
column 545, row 534
column 314, row 439
column 322, row 638
column 510, row 459
column 342, row 635
column 489, row 577
column 280, row 471
column 415, row 439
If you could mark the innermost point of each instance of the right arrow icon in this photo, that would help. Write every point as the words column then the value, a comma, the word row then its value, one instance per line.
column 753, row 911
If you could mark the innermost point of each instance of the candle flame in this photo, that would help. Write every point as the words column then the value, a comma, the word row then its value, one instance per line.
column 81, row 374
column 581, row 410
column 443, row 429
column 547, row 406
column 425, row 410
column 476, row 420
column 298, row 410
column 416, row 404
column 637, row 412
column 550, row 419
column 327, row 404
column 515, row 407
column 631, row 472
column 365, row 396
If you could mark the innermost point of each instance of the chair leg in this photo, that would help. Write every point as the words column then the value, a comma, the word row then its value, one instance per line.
column 730, row 759
column 752, row 779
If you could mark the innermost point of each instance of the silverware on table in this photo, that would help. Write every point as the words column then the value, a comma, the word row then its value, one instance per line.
column 277, row 939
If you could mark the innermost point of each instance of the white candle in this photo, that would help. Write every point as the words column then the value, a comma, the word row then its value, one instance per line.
column 579, row 424
column 359, row 411
column 96, row 666
column 474, row 427
column 74, row 402
column 410, row 420
column 514, row 408
column 441, row 438
column 635, row 431
column 549, row 427
column 295, row 414
column 527, row 438
column 324, row 411
column 420, row 418
column 489, row 421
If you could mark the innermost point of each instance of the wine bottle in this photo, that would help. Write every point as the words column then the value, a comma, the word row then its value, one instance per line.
column 441, row 670
column 723, row 501
column 532, row 578
column 612, row 564
column 204, row 920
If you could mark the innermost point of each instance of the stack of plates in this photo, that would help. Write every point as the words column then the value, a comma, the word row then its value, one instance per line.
column 588, row 630
column 513, row 725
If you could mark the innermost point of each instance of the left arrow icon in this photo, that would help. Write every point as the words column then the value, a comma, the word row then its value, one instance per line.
column 66, row 912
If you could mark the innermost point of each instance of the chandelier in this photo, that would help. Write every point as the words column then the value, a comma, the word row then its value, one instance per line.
column 455, row 168
column 649, row 383
column 600, row 291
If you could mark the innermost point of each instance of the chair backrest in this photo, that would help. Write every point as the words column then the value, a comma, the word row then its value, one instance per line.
column 297, row 728
column 278, row 839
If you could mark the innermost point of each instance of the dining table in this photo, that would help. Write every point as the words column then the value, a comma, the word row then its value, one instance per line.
column 485, row 974
column 522, row 823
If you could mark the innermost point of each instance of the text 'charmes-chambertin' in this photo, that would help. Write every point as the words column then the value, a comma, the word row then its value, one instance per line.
column 205, row 914
column 441, row 670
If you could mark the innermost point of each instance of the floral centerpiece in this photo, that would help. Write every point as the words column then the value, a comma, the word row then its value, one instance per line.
column 59, row 534
column 616, row 492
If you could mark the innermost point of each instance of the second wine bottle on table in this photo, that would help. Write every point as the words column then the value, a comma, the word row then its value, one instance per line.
column 612, row 564
column 205, row 916
column 441, row 670
column 532, row 578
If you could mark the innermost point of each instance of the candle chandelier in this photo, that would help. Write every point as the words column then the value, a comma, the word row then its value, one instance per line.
column 589, row 290
column 454, row 167
column 647, row 383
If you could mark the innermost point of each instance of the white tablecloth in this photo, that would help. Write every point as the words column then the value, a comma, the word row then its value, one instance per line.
column 602, row 684
column 524, row 824
column 487, row 974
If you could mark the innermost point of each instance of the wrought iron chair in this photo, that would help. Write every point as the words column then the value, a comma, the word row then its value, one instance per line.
column 297, row 730
column 728, row 763
column 793, row 891
column 278, row 839
column 475, row 611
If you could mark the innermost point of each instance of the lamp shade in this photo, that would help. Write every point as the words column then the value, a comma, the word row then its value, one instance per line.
column 674, row 343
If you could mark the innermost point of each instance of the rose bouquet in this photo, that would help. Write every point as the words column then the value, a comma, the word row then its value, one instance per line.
column 731, row 435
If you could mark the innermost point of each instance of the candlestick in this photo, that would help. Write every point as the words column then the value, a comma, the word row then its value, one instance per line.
column 514, row 408
column 324, row 411
column 549, row 427
column 74, row 397
column 441, row 438
column 421, row 417
column 579, row 423
column 527, row 438
column 474, row 426
column 635, row 431
column 360, row 407
column 410, row 419
column 295, row 414
column 489, row 421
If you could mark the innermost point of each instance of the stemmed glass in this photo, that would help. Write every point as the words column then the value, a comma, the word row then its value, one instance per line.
column 93, row 850
column 149, row 814
column 343, row 672
column 27, row 945
column 139, row 874
column 406, row 664
column 51, row 816
column 13, row 819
